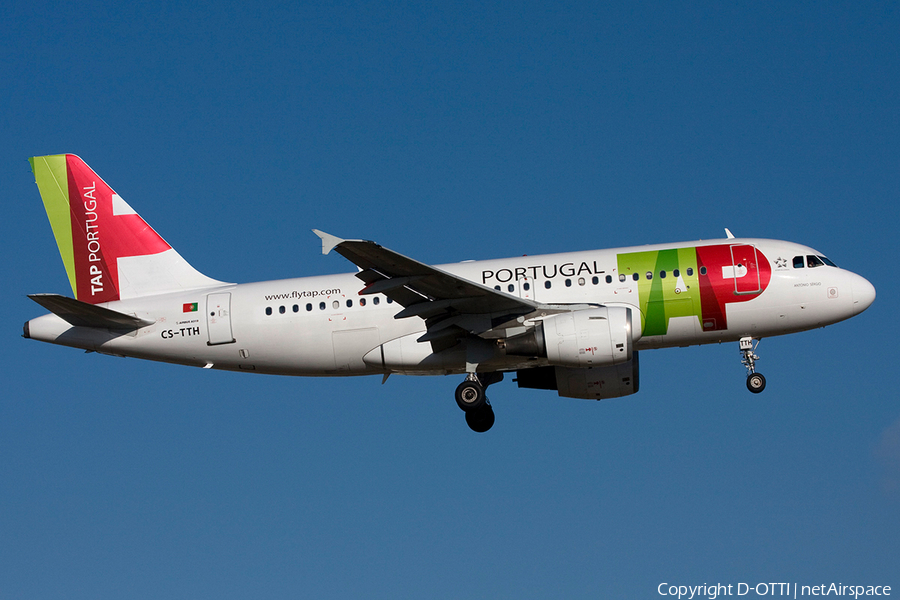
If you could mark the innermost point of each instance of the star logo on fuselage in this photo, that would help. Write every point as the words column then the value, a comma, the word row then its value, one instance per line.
column 781, row 263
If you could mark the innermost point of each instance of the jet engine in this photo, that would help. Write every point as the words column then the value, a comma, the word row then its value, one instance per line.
column 589, row 337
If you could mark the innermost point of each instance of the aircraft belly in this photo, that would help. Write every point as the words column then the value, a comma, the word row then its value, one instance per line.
column 753, row 319
column 407, row 355
column 350, row 345
column 316, row 346
column 683, row 330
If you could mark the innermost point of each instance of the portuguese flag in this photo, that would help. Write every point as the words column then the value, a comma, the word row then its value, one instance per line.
column 192, row 307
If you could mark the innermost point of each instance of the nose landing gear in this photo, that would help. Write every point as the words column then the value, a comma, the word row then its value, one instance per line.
column 471, row 398
column 755, row 381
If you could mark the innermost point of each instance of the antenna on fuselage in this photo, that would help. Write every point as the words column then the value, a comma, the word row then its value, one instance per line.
column 729, row 234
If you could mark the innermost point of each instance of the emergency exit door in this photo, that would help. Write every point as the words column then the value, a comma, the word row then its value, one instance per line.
column 218, row 318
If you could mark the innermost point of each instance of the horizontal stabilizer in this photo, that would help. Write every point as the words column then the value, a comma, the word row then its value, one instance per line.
column 82, row 314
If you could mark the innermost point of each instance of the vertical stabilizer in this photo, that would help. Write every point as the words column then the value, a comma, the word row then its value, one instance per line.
column 109, row 251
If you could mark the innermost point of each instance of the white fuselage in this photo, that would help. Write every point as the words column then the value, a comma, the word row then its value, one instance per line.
column 322, row 326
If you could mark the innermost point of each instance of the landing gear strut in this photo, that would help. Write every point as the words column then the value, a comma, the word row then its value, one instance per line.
column 471, row 398
column 755, row 381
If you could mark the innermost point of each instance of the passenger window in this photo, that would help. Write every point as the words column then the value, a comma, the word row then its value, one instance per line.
column 622, row 278
column 281, row 309
column 335, row 305
column 268, row 311
column 526, row 286
column 595, row 280
column 362, row 301
column 690, row 271
column 662, row 274
column 376, row 300
column 568, row 283
column 609, row 279
column 321, row 306
column 581, row 281
column 349, row 303
column 703, row 270
column 649, row 275
column 511, row 288
column 497, row 287
column 635, row 276
column 547, row 284
column 675, row 273
column 308, row 307
column 798, row 262
column 296, row 308
column 389, row 301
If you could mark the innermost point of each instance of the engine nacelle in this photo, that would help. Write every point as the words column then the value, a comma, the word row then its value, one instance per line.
column 591, row 383
column 589, row 337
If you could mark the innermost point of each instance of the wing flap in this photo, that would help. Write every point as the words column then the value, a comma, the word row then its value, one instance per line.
column 452, row 307
column 382, row 286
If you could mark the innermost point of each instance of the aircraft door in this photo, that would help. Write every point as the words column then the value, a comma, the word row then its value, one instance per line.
column 745, row 269
column 218, row 318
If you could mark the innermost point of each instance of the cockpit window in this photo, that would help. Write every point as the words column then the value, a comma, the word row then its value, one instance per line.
column 798, row 262
column 813, row 261
column 826, row 261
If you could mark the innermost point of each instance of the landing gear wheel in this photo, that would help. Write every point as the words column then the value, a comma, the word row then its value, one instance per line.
column 480, row 420
column 470, row 397
column 756, row 382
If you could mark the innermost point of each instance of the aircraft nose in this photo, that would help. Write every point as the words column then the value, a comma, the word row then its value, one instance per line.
column 863, row 294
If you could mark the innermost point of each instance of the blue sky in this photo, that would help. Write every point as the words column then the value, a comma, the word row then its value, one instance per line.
column 453, row 132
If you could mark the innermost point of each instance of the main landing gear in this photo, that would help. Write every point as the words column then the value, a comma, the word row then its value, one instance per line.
column 755, row 381
column 471, row 398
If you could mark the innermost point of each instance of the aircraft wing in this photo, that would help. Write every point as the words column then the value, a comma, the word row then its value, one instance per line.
column 448, row 303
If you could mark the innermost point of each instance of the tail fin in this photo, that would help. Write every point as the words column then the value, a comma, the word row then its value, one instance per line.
column 109, row 251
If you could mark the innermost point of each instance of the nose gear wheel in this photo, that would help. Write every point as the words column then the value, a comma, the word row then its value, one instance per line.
column 755, row 381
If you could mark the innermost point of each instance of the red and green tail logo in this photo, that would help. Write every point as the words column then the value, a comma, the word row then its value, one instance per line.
column 93, row 226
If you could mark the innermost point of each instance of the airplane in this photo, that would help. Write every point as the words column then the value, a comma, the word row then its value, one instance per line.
column 571, row 322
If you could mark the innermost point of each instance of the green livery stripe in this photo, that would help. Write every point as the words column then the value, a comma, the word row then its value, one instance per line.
column 52, row 180
column 663, row 298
